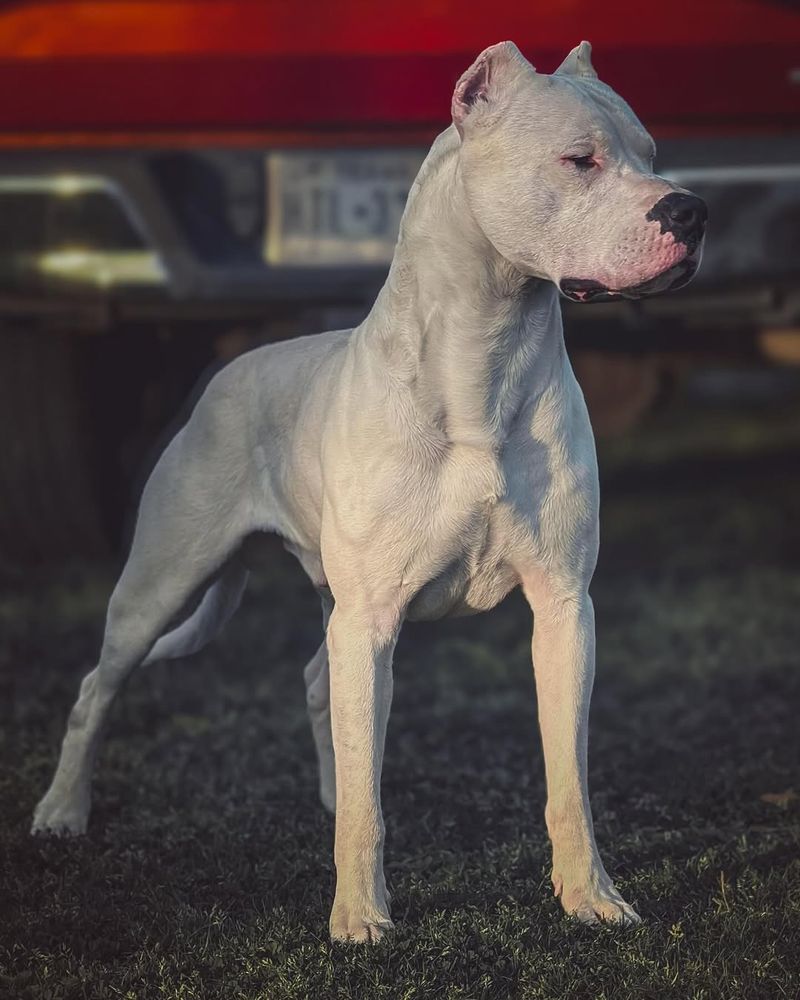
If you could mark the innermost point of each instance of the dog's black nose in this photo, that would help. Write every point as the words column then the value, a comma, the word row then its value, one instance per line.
column 683, row 215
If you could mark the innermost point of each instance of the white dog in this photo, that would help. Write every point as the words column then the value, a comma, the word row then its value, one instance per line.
column 423, row 464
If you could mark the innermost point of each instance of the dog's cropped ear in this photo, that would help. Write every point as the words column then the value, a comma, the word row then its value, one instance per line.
column 578, row 63
column 488, row 79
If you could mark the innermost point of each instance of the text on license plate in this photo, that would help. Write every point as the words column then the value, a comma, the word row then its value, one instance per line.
column 336, row 208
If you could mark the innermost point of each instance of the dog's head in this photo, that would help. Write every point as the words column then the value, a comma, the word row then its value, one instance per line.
column 558, row 172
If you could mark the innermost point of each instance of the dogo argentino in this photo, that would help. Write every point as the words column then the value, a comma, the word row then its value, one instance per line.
column 423, row 464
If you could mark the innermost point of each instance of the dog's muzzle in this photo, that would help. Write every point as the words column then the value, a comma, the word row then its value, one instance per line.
column 586, row 290
column 683, row 215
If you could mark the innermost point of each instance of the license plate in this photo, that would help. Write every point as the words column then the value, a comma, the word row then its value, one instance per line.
column 335, row 208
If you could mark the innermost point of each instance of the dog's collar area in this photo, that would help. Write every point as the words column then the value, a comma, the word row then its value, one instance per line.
column 586, row 290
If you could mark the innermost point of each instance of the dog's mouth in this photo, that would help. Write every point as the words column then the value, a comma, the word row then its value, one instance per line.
column 586, row 290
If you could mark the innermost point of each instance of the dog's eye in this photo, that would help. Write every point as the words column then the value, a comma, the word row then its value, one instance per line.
column 582, row 162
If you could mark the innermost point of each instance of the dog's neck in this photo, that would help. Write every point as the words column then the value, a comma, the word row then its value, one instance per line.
column 471, row 335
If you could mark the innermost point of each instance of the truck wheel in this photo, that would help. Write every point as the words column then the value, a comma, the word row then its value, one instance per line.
column 48, row 510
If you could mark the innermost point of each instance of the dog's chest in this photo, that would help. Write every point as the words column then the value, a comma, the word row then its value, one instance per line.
column 536, row 507
column 475, row 575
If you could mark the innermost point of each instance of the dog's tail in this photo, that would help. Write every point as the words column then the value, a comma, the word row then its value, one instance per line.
column 214, row 611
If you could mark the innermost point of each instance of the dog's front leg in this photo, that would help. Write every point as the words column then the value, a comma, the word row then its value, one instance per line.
column 360, row 651
column 563, row 659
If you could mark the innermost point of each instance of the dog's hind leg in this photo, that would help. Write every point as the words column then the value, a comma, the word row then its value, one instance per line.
column 189, row 524
column 216, row 608
column 318, row 700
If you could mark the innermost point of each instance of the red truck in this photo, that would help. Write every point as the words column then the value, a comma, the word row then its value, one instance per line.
column 181, row 177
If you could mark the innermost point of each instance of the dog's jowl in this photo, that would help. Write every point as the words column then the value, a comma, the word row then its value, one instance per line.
column 423, row 464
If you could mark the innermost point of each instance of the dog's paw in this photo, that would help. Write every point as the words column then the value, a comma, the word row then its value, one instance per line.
column 596, row 901
column 360, row 931
column 350, row 924
column 60, row 819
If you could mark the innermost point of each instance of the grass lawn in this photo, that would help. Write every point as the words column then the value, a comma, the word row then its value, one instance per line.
column 207, row 871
